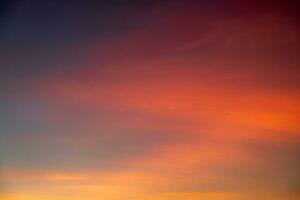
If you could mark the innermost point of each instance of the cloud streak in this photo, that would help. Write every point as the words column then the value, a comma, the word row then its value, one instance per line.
column 184, row 103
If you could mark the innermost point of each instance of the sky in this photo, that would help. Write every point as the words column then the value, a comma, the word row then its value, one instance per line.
column 149, row 100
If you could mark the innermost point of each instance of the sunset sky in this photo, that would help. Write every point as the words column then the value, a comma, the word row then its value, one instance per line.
column 149, row 100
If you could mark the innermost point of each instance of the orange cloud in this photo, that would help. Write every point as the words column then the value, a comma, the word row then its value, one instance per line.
column 209, row 84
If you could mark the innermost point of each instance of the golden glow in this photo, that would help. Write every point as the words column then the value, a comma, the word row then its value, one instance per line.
column 172, row 111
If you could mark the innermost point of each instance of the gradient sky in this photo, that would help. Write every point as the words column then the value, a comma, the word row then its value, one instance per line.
column 149, row 100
